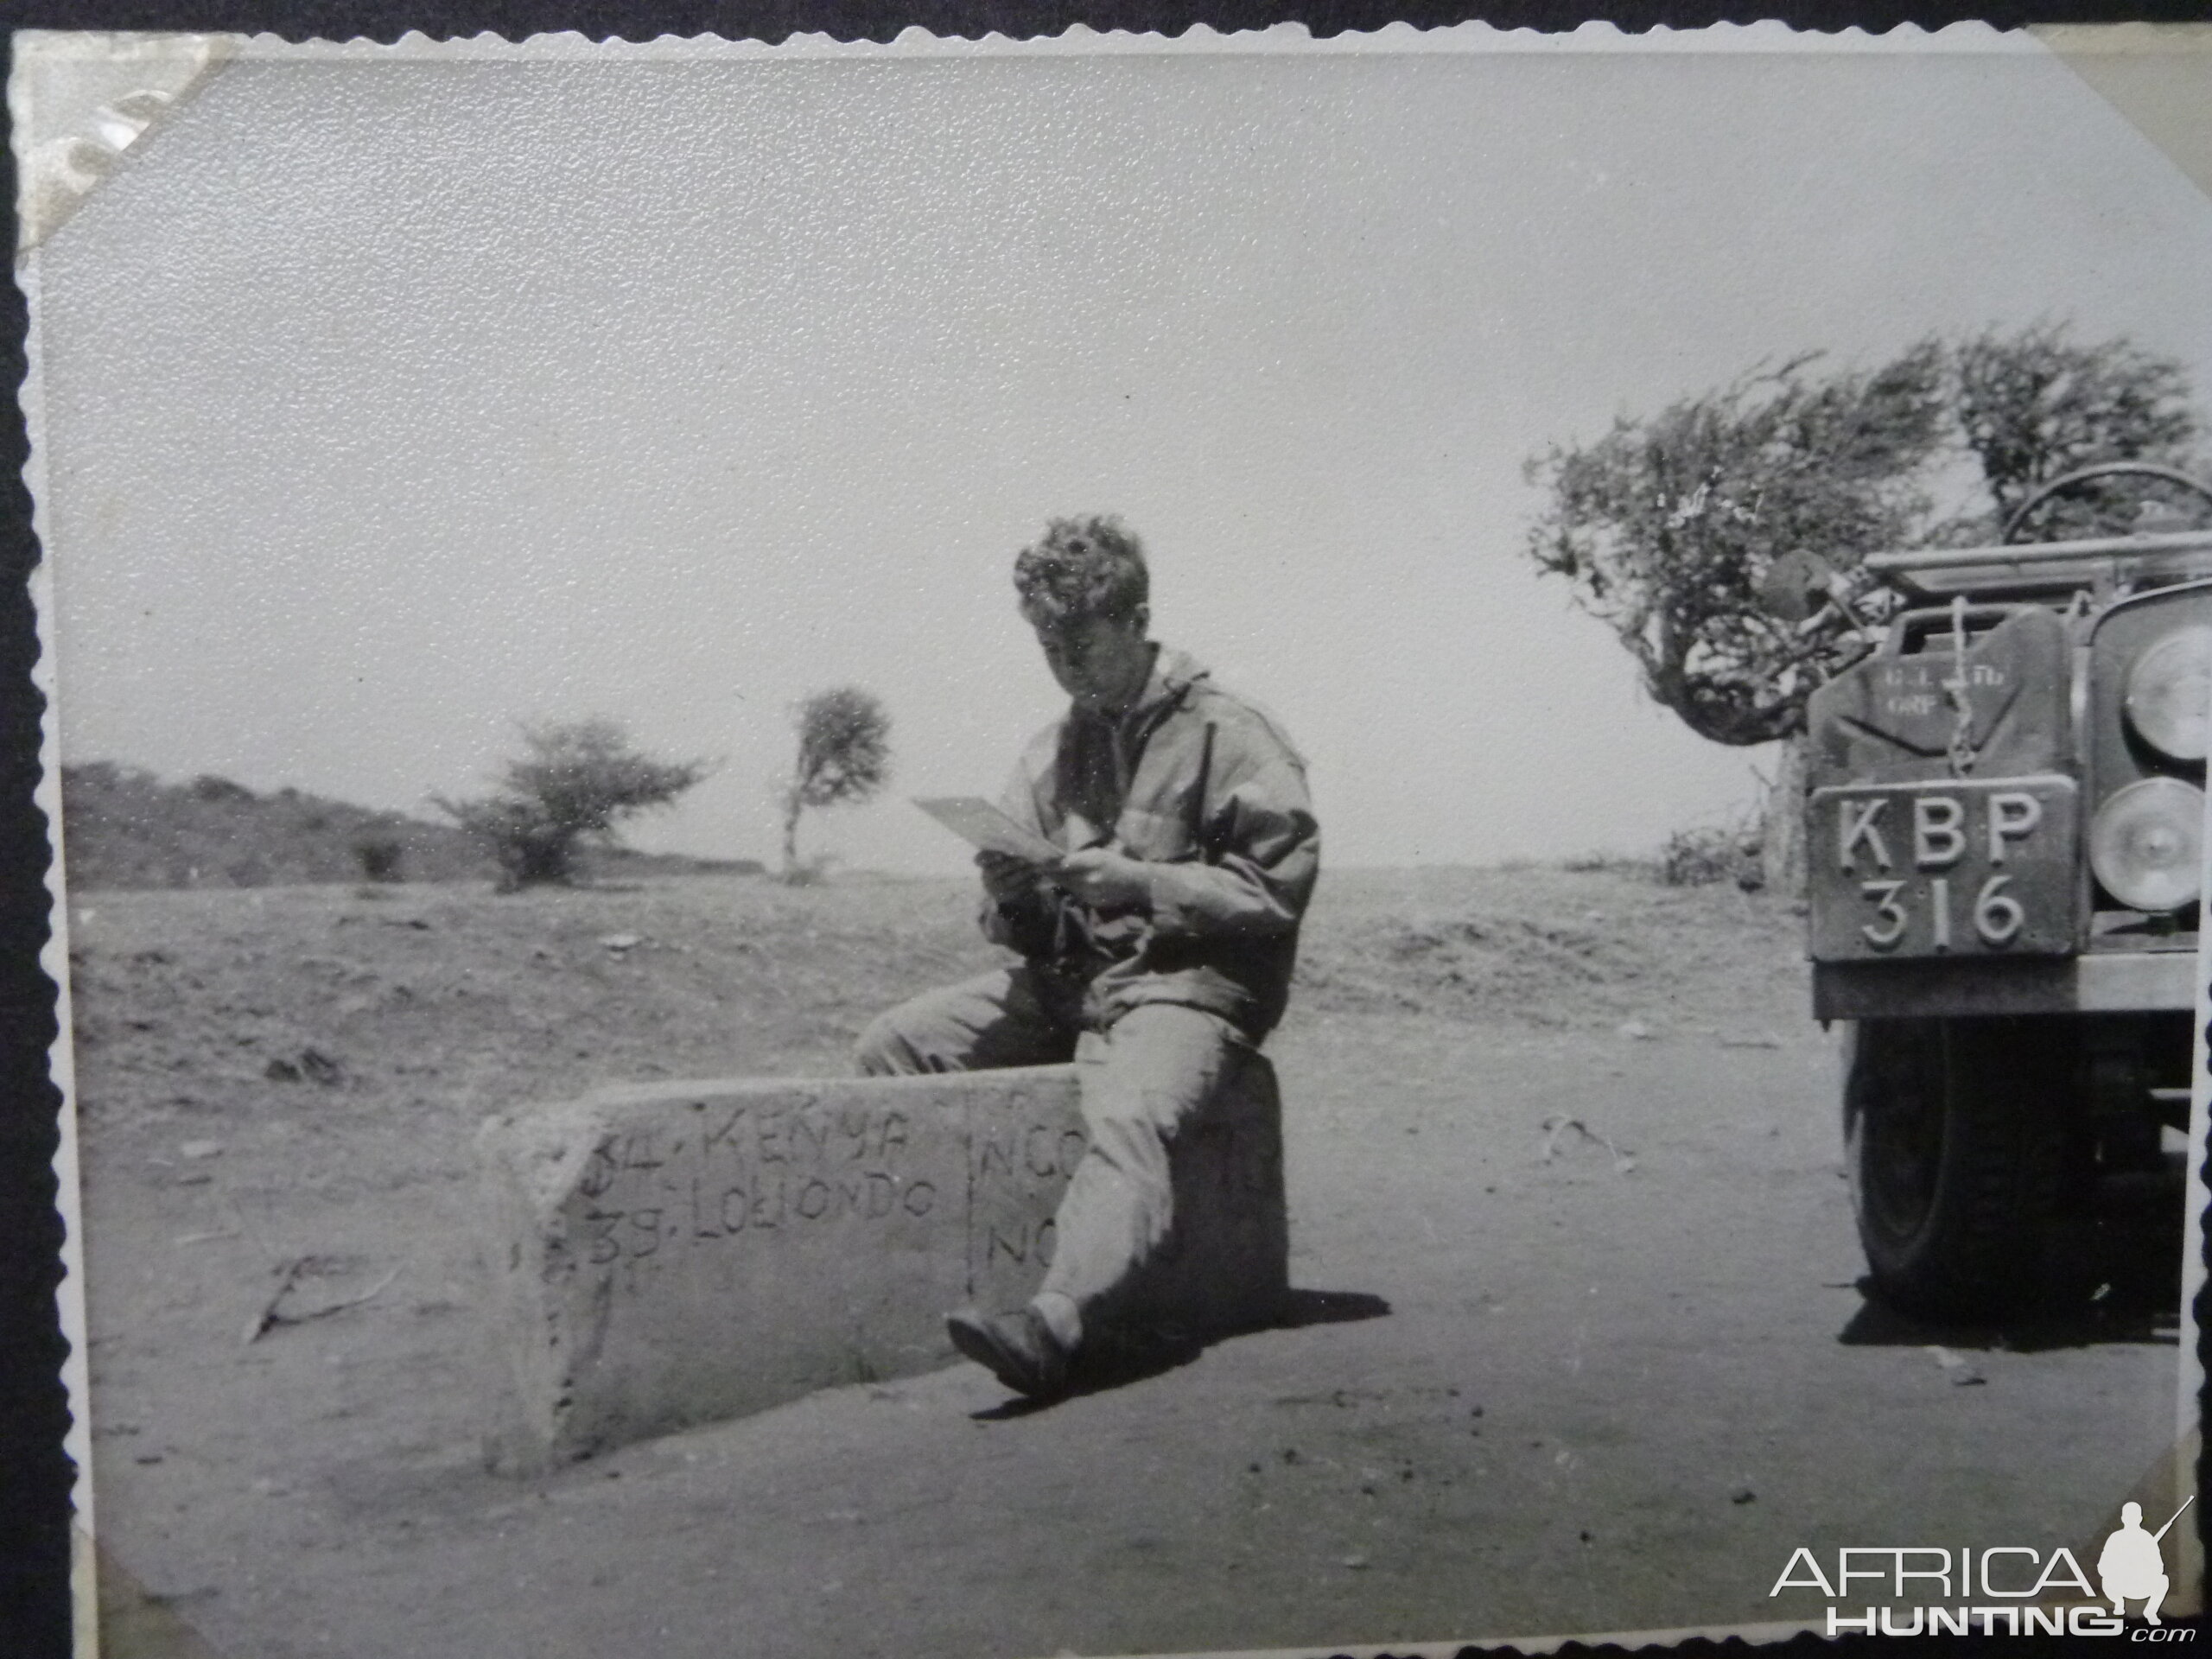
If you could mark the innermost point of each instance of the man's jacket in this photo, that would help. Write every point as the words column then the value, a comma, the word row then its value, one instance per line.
column 1206, row 791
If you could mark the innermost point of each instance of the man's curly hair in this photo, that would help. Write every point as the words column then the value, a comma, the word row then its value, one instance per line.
column 1079, row 569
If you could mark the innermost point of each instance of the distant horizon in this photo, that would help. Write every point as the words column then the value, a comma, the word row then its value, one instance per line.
column 836, row 870
column 1565, row 865
column 532, row 388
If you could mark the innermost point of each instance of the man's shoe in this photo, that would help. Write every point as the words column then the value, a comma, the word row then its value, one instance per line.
column 1018, row 1348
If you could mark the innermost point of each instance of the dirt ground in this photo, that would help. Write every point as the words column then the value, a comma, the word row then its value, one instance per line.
column 1544, row 1381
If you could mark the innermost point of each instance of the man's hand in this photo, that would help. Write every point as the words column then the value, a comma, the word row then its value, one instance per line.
column 1102, row 878
column 1007, row 877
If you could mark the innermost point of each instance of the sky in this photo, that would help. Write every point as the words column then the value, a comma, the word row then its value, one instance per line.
column 388, row 404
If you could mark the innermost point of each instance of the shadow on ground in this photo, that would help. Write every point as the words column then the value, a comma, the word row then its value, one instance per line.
column 1329, row 1307
column 1118, row 1363
column 2112, row 1276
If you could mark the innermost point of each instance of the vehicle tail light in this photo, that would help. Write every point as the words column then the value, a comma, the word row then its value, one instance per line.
column 2170, row 693
column 2145, row 844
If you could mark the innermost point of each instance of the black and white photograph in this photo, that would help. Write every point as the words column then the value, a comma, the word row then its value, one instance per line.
column 1110, row 845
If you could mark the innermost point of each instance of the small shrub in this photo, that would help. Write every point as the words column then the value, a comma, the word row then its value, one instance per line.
column 1606, row 863
column 811, row 871
column 210, row 787
column 1711, row 853
column 574, row 781
column 381, row 858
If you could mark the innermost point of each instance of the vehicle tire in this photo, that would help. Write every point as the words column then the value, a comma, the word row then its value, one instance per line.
column 1954, row 1133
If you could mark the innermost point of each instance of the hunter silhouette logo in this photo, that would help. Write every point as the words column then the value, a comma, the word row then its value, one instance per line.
column 2130, row 1567
column 1933, row 1590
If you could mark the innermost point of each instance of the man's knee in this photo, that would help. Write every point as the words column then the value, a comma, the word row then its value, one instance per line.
column 1159, row 1064
column 936, row 1031
column 991, row 1020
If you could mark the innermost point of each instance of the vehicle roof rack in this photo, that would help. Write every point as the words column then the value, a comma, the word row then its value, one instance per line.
column 2037, row 569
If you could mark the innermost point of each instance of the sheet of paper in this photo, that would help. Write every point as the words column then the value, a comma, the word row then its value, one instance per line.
column 976, row 820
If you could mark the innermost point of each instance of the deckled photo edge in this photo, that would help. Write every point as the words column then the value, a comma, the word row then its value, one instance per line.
column 36, row 48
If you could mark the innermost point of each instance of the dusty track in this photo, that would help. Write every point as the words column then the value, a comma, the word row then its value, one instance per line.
column 1602, row 1397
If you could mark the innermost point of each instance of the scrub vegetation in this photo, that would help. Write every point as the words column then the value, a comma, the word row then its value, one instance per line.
column 1666, row 527
column 572, row 783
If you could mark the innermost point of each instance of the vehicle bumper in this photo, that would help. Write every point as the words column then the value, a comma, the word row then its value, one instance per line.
column 2102, row 981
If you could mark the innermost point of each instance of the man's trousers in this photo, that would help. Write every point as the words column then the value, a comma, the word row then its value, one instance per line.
column 1142, row 1080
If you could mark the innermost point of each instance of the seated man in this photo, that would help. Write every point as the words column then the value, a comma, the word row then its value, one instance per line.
column 1156, row 950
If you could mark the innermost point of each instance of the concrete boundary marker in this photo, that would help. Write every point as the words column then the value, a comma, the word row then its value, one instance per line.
column 674, row 1253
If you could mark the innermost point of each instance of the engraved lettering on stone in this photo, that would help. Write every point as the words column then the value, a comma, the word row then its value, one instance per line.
column 753, row 1167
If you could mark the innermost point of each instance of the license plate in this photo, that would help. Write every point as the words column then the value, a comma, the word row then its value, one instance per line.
column 1954, row 868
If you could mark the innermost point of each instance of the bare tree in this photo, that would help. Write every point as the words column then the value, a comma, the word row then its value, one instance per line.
column 575, row 780
column 844, row 758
